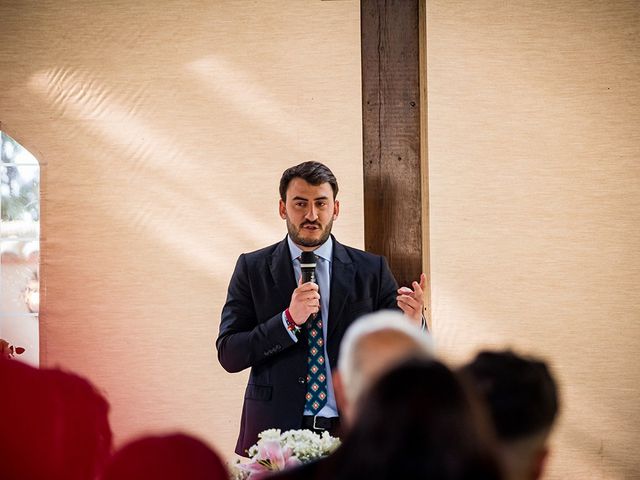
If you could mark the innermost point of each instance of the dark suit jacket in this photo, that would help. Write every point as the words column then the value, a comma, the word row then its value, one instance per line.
column 252, row 333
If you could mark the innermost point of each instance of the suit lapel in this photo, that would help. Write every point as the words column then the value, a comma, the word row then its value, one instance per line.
column 342, row 275
column 282, row 271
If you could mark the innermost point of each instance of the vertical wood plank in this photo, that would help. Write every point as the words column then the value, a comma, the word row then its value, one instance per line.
column 391, row 109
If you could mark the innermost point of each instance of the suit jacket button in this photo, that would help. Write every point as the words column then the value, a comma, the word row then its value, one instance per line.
column 301, row 380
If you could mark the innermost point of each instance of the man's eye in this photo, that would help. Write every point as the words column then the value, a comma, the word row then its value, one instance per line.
column 299, row 204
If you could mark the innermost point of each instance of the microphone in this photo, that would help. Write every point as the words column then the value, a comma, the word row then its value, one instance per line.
column 308, row 266
column 308, row 269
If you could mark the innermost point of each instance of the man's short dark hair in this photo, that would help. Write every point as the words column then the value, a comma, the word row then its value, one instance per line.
column 314, row 173
column 520, row 392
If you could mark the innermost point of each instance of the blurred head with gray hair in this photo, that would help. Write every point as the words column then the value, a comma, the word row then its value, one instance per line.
column 373, row 345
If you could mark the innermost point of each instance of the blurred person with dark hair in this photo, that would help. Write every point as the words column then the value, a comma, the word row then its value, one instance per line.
column 54, row 425
column 417, row 421
column 523, row 402
column 165, row 457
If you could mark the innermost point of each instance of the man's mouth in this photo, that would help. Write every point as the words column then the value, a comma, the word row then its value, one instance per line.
column 310, row 226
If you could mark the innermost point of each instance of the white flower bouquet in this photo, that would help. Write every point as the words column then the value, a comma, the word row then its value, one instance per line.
column 277, row 451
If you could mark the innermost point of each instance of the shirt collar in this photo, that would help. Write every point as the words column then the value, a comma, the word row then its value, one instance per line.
column 324, row 251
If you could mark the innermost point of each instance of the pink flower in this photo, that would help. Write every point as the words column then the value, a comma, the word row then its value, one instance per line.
column 271, row 457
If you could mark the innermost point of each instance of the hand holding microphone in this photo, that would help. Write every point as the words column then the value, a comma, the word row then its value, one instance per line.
column 305, row 300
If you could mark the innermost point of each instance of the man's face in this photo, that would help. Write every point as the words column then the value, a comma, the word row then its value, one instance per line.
column 309, row 211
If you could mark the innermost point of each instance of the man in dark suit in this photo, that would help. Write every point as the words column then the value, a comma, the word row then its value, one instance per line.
column 289, row 332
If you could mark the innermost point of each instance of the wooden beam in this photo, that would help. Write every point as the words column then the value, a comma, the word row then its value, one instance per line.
column 393, row 127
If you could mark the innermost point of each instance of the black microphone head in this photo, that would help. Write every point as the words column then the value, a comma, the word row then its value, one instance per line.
column 308, row 260
column 308, row 266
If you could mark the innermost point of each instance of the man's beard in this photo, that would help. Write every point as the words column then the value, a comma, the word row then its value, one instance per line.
column 294, row 233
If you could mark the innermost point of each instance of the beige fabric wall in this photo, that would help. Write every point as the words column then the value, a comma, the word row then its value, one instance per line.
column 163, row 132
column 534, row 147
column 163, row 129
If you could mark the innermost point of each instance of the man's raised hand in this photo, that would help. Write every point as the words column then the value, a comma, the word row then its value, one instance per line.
column 411, row 301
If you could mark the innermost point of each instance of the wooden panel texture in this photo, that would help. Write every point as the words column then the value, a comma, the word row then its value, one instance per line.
column 391, row 134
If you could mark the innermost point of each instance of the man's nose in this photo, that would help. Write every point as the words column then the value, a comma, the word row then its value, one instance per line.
column 312, row 214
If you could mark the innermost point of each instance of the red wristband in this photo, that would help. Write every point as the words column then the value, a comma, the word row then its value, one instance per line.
column 291, row 325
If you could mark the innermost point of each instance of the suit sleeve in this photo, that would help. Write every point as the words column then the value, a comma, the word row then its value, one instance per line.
column 243, row 341
column 388, row 287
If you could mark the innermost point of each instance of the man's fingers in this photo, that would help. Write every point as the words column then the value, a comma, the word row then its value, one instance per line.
column 305, row 296
column 411, row 301
column 407, row 292
column 418, row 288
column 408, row 302
column 405, row 308
column 412, row 305
column 304, row 287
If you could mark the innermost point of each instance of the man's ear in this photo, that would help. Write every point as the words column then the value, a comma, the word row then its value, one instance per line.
column 282, row 209
column 336, row 209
